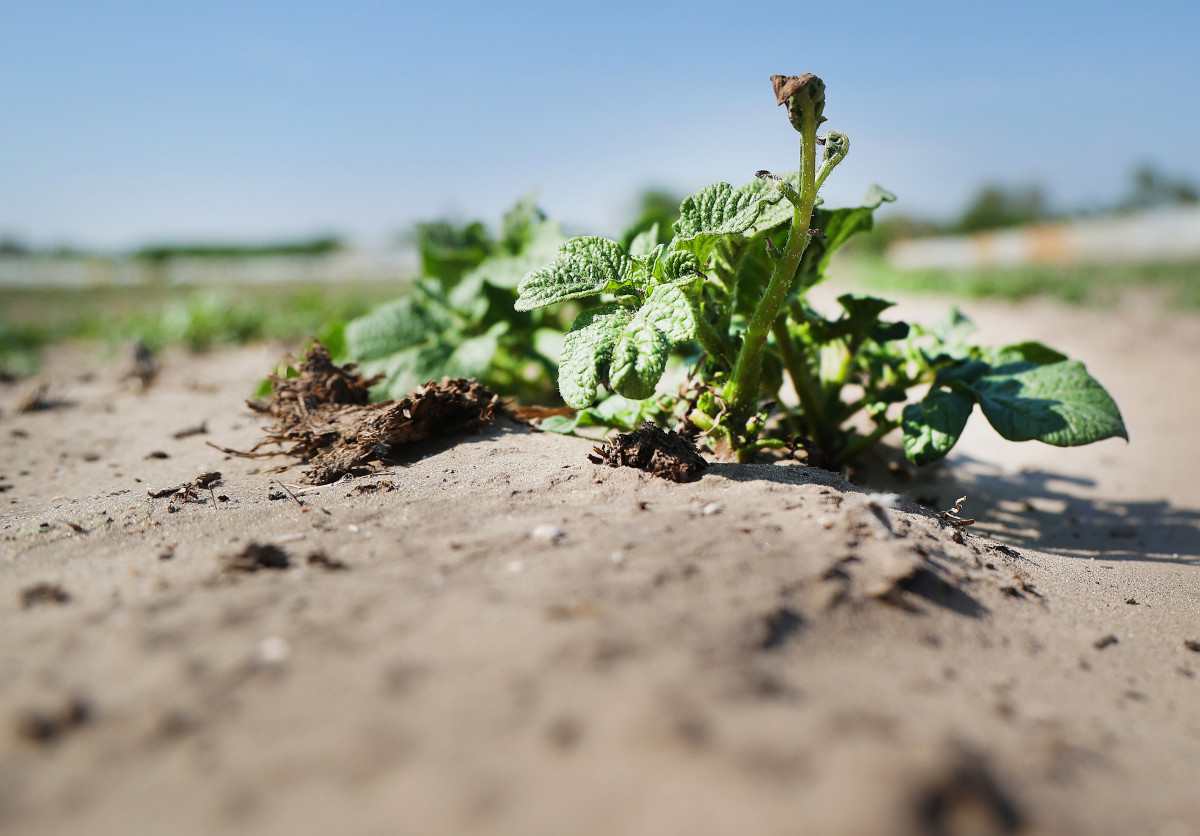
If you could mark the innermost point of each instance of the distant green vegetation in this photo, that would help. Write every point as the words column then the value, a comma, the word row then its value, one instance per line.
column 161, row 316
column 315, row 246
column 1097, row 284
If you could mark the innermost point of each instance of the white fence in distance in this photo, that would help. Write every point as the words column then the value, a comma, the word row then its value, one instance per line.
column 102, row 271
column 1168, row 234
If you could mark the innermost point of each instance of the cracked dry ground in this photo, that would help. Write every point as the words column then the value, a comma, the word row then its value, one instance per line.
column 500, row 636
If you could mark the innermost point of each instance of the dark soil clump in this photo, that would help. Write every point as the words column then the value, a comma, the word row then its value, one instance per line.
column 43, row 593
column 254, row 557
column 323, row 416
column 44, row 726
column 663, row 453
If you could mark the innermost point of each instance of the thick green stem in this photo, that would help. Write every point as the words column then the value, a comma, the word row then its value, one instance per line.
column 741, row 393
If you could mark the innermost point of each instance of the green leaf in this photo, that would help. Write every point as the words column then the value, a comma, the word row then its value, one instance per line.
column 645, row 242
column 393, row 327
column 473, row 357
column 405, row 370
column 952, row 330
column 587, row 350
column 860, row 319
column 840, row 225
column 963, row 371
column 619, row 412
column 1031, row 352
column 779, row 212
column 720, row 209
column 680, row 267
column 559, row 424
column 447, row 251
column 520, row 224
column 1059, row 403
column 932, row 427
column 863, row 310
column 886, row 332
column 584, row 266
column 752, row 274
column 668, row 310
column 540, row 246
column 639, row 359
column 615, row 412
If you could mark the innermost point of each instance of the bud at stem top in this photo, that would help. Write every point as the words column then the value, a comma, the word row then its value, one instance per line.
column 799, row 92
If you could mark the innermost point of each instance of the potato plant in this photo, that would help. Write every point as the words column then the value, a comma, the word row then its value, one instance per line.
column 729, row 290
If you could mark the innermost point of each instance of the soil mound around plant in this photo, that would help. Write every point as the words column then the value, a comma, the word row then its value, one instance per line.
column 323, row 416
column 503, row 637
column 663, row 453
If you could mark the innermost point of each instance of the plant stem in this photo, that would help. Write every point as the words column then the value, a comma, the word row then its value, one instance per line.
column 741, row 393
column 712, row 342
column 852, row 450
column 802, row 381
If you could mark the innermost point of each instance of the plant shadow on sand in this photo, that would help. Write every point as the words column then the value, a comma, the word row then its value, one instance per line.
column 1031, row 509
column 1044, row 510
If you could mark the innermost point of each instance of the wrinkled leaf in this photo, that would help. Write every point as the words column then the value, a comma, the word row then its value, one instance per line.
column 680, row 267
column 587, row 350
column 584, row 266
column 720, row 209
column 668, row 309
column 639, row 358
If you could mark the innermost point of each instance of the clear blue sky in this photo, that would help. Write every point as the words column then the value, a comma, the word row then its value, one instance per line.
column 125, row 123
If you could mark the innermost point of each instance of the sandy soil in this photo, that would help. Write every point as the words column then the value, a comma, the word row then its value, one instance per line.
column 502, row 637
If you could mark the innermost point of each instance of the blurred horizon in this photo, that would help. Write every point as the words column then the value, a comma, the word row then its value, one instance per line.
column 136, row 125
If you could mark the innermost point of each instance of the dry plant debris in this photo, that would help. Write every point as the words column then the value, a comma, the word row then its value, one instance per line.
column 323, row 416
column 187, row 491
column 323, row 561
column 663, row 453
column 188, row 432
column 954, row 515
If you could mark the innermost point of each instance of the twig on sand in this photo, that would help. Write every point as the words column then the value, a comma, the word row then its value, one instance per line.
column 953, row 517
column 288, row 490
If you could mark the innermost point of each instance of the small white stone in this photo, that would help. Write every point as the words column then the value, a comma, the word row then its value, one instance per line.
column 710, row 509
column 353, row 529
column 616, row 557
column 548, row 532
column 273, row 651
column 516, row 565
column 827, row 522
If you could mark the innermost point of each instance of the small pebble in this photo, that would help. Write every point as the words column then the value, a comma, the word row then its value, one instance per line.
column 548, row 532
column 273, row 651
column 353, row 529
column 616, row 557
column 710, row 509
